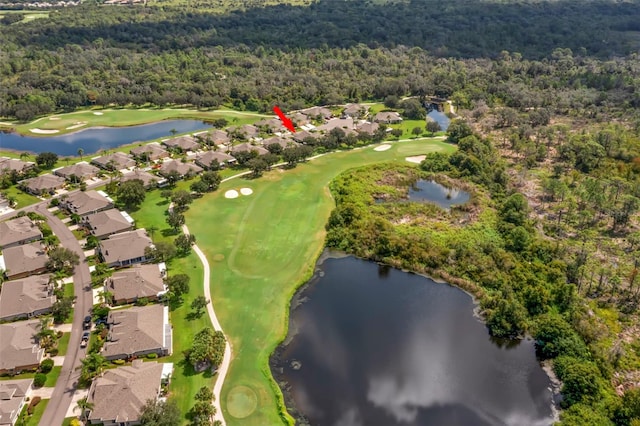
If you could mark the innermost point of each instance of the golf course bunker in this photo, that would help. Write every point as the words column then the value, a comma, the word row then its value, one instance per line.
column 43, row 132
column 77, row 125
column 98, row 113
column 232, row 193
column 416, row 159
column 246, row 191
column 54, row 118
column 241, row 402
column 382, row 147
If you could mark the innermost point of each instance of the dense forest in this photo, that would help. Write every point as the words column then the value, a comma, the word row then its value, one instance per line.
column 566, row 56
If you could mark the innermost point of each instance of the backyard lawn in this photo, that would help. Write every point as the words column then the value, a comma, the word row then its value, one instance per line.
column 261, row 248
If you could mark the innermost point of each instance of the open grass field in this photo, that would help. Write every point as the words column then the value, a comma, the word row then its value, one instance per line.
column 261, row 248
column 34, row 419
column 74, row 121
column 28, row 15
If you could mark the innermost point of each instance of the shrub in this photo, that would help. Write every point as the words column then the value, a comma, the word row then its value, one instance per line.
column 53, row 351
column 118, row 361
column 581, row 379
column 35, row 401
column 39, row 380
column 46, row 365
column 152, row 356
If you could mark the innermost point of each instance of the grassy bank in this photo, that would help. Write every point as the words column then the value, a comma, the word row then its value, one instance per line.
column 75, row 121
column 261, row 248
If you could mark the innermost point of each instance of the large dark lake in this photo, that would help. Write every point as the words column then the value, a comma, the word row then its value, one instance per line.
column 371, row 345
column 95, row 139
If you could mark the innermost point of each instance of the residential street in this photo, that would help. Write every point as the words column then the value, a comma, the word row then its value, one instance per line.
column 61, row 398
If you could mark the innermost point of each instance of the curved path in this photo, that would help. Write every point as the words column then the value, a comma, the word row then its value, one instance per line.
column 226, row 359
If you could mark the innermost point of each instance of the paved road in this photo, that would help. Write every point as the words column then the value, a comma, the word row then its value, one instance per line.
column 56, row 410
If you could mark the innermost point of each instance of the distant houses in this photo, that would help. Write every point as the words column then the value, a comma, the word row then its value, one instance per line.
column 115, row 161
column 182, row 143
column 207, row 158
column 81, row 171
column 46, row 184
column 389, row 117
column 84, row 203
column 149, row 152
column 107, row 222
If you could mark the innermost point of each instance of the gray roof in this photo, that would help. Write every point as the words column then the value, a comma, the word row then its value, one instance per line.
column 124, row 246
column 284, row 143
column 120, row 393
column 120, row 161
column 298, row 118
column 82, row 170
column 207, row 157
column 247, row 147
column 46, row 182
column 387, row 116
column 317, row 111
column 303, row 134
column 247, row 130
column 154, row 151
column 26, row 296
column 367, row 127
column 25, row 258
column 18, row 344
column 139, row 281
column 11, row 164
column 185, row 143
column 135, row 330
column 354, row 109
column 272, row 123
column 107, row 222
column 345, row 124
column 85, row 202
column 219, row 137
column 12, row 395
column 19, row 229
column 180, row 167
column 147, row 178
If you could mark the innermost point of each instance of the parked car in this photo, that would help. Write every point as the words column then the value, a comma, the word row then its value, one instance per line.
column 86, row 324
column 85, row 339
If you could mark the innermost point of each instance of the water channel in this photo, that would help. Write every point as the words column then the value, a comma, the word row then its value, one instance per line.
column 370, row 345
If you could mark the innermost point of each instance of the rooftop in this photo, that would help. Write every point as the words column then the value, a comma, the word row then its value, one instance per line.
column 139, row 281
column 17, row 230
column 125, row 246
column 108, row 222
column 137, row 329
column 18, row 344
column 25, row 258
column 26, row 296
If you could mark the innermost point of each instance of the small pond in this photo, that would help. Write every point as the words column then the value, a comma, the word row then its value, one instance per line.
column 433, row 192
column 370, row 345
column 440, row 118
column 95, row 139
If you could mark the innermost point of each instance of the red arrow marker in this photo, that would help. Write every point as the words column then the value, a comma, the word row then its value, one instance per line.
column 285, row 121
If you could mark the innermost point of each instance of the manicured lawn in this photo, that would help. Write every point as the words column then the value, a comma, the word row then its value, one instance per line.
column 67, row 421
column 129, row 117
column 22, row 198
column 34, row 419
column 185, row 382
column 261, row 249
column 63, row 344
column 52, row 376
column 68, row 289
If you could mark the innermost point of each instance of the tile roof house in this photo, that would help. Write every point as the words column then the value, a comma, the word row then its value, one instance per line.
column 149, row 152
column 354, row 110
column 302, row 135
column 317, row 111
column 247, row 147
column 273, row 124
column 13, row 164
column 389, row 117
column 43, row 184
column 219, row 137
column 19, row 348
column 107, row 222
column 284, row 143
column 26, row 297
column 183, row 169
column 83, row 203
column 128, row 285
column 138, row 331
column 13, row 396
column 149, row 180
column 118, row 395
column 115, row 161
column 345, row 124
column 183, row 143
column 367, row 127
column 204, row 160
column 20, row 230
column 125, row 248
column 298, row 118
column 246, row 131
column 24, row 260
column 82, row 170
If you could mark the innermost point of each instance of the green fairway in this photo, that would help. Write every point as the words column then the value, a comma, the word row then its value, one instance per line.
column 261, row 248
column 74, row 121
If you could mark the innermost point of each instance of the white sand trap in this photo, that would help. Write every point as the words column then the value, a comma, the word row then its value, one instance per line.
column 232, row 193
column 382, row 147
column 246, row 191
column 54, row 118
column 43, row 131
column 77, row 125
column 98, row 113
column 416, row 159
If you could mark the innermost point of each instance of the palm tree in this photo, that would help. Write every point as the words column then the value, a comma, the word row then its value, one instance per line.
column 85, row 407
column 80, row 152
column 105, row 296
column 24, row 155
column 92, row 366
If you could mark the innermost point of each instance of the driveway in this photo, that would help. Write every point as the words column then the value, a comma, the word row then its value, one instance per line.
column 65, row 388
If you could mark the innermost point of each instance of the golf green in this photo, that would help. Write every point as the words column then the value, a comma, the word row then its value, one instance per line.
column 262, row 247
